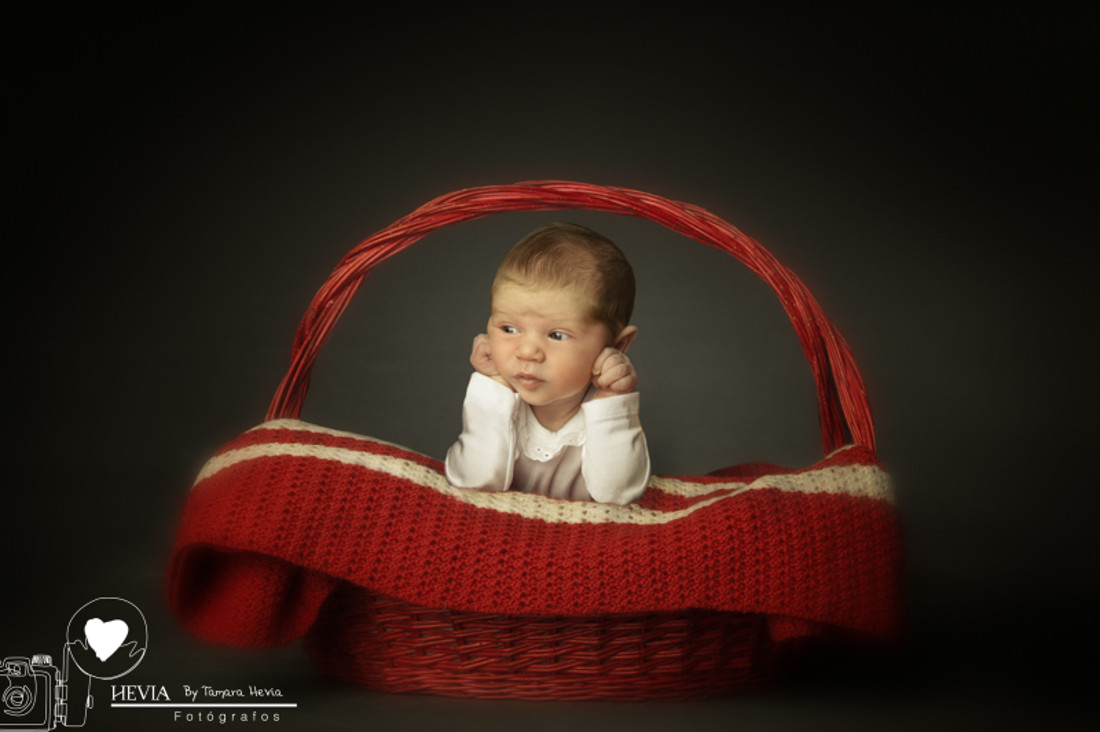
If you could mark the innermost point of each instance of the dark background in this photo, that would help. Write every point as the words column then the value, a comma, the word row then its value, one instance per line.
column 182, row 181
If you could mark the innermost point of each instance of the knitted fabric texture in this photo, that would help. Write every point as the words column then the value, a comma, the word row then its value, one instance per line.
column 282, row 515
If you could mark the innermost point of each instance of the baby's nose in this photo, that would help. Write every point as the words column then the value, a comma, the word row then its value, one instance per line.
column 529, row 351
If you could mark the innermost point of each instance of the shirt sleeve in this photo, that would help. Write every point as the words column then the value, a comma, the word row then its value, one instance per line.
column 484, row 455
column 615, row 462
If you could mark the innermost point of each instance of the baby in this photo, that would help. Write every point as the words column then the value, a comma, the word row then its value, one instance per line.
column 551, row 407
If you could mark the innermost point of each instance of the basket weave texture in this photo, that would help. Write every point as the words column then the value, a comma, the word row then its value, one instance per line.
column 389, row 645
column 398, row 581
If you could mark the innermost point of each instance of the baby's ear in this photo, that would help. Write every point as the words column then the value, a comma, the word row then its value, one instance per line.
column 625, row 338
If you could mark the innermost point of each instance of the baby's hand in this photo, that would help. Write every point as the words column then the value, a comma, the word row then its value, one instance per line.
column 613, row 374
column 482, row 360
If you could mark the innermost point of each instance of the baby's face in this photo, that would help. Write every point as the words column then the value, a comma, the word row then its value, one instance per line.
column 544, row 342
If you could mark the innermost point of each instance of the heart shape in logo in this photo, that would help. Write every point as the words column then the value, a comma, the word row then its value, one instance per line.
column 105, row 638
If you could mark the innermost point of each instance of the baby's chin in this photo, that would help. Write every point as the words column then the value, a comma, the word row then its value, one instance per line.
column 533, row 398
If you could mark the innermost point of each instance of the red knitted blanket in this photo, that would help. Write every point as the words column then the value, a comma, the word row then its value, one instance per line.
column 288, row 510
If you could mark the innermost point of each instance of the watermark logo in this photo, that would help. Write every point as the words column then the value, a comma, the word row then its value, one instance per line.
column 106, row 639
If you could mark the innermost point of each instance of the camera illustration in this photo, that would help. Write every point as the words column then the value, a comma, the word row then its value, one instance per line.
column 36, row 695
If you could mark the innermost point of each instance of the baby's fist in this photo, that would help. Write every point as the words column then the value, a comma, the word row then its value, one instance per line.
column 482, row 360
column 480, row 357
column 613, row 374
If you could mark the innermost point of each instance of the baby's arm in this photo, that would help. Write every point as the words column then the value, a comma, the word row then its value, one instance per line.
column 484, row 455
column 615, row 461
column 615, row 458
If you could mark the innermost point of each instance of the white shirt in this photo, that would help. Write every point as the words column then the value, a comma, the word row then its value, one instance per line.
column 599, row 455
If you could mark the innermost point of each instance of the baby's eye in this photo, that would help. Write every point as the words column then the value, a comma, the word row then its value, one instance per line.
column 557, row 335
column 511, row 329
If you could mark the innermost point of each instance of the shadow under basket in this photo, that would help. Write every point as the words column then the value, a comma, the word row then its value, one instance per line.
column 377, row 642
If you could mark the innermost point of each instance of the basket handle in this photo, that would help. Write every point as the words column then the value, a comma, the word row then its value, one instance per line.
column 843, row 407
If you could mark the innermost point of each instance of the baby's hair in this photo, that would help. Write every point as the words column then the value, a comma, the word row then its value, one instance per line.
column 570, row 255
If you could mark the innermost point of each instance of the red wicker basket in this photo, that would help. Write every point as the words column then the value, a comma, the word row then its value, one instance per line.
column 378, row 605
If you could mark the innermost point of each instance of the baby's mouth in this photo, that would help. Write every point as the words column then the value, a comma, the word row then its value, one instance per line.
column 528, row 381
